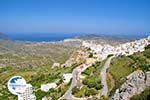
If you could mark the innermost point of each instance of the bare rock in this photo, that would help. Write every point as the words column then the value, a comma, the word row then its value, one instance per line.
column 136, row 83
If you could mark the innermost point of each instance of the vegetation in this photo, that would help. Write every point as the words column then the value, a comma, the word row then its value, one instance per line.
column 92, row 74
column 54, row 93
column 92, row 83
column 119, row 69
column 40, row 72
column 35, row 76
column 147, row 53
column 147, row 47
column 84, row 92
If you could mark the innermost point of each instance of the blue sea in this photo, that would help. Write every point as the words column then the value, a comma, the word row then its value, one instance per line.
column 38, row 37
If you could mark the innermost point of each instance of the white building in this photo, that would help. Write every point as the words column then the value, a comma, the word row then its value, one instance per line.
column 46, row 87
column 67, row 77
column 56, row 65
column 47, row 98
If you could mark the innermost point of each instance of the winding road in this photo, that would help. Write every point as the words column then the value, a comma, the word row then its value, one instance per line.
column 76, row 72
column 103, row 76
column 68, row 95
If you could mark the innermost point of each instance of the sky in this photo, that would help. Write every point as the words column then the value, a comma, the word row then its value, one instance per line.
column 75, row 16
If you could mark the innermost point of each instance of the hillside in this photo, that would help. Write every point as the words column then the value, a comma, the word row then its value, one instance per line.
column 34, row 60
column 103, row 39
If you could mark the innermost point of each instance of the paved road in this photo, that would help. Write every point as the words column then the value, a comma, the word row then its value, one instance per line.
column 68, row 95
column 103, row 77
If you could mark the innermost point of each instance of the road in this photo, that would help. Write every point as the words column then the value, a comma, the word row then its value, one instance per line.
column 68, row 95
column 76, row 72
column 103, row 76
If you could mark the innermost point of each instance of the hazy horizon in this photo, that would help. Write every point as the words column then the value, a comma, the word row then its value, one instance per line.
column 61, row 36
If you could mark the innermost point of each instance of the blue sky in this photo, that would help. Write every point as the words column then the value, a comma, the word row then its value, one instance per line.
column 75, row 16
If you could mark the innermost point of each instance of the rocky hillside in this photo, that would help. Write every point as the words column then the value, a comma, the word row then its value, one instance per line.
column 135, row 83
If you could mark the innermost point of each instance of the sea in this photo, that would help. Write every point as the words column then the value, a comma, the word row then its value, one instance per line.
column 53, row 37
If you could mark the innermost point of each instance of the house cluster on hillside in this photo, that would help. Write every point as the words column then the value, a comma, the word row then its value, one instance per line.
column 101, row 52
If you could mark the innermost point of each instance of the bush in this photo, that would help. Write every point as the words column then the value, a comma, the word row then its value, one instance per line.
column 87, row 71
column 98, row 86
column 91, row 84
column 90, row 92
column 85, row 82
column 147, row 47
column 145, row 67
column 147, row 53
column 93, row 91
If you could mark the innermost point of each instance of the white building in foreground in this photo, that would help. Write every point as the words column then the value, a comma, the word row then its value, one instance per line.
column 47, row 87
column 67, row 77
column 47, row 98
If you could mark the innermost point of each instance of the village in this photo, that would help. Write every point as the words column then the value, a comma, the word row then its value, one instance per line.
column 99, row 53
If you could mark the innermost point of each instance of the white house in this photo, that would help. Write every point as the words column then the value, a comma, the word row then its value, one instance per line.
column 67, row 77
column 56, row 65
column 46, row 87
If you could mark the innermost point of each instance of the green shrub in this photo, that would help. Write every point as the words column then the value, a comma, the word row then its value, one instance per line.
column 90, row 92
column 145, row 67
column 147, row 53
column 98, row 86
column 147, row 47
